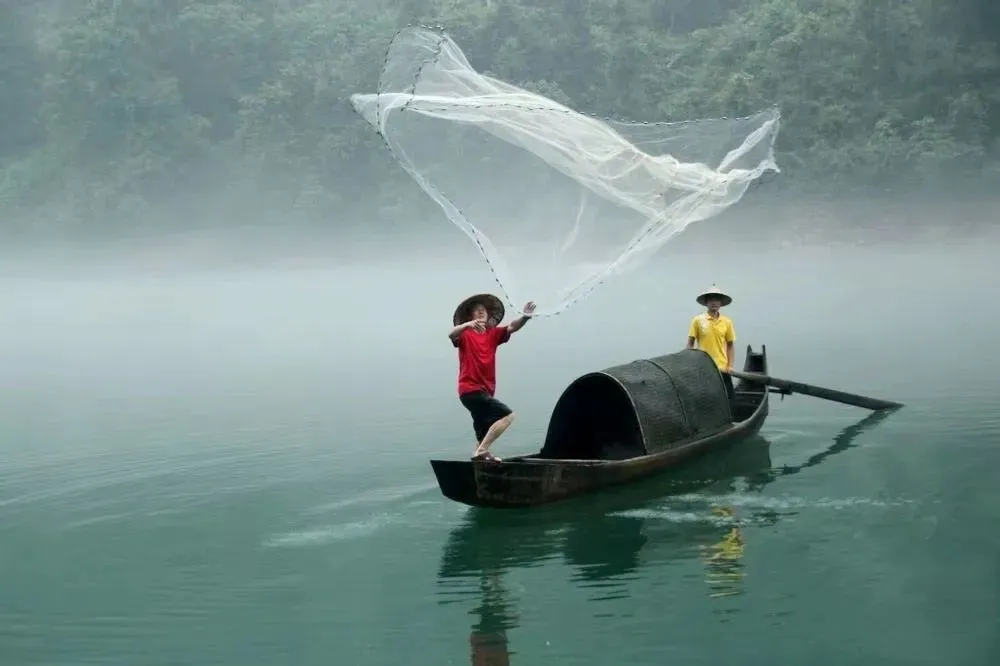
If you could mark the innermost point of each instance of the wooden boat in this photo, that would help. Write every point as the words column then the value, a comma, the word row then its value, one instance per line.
column 616, row 426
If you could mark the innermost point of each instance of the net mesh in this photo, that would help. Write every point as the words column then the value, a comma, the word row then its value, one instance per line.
column 556, row 201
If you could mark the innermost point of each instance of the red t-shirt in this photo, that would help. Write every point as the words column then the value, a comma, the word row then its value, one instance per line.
column 477, row 358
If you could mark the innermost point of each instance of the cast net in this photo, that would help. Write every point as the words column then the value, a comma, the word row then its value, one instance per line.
column 555, row 201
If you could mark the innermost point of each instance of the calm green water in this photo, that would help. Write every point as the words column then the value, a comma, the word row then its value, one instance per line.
column 232, row 469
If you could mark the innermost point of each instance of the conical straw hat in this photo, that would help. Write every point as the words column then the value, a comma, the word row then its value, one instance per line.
column 714, row 291
column 494, row 309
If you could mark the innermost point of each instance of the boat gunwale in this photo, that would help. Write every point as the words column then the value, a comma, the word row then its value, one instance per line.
column 533, row 459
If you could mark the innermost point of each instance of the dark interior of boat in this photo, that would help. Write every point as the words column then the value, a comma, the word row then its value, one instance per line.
column 594, row 421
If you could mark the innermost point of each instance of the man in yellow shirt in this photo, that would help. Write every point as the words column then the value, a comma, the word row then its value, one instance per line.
column 714, row 334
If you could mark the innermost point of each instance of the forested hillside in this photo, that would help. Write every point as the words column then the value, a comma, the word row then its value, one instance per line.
column 224, row 108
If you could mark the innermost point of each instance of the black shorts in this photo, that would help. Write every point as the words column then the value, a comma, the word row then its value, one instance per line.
column 485, row 409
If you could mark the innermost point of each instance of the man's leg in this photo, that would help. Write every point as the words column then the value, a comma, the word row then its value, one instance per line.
column 499, row 416
column 475, row 403
column 495, row 431
column 480, row 428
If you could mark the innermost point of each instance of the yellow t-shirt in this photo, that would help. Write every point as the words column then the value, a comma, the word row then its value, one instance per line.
column 711, row 335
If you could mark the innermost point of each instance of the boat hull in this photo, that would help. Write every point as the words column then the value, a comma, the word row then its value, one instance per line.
column 526, row 481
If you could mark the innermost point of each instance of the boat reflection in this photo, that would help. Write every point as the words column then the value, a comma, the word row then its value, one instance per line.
column 609, row 543
column 722, row 559
column 608, row 537
column 843, row 441
column 495, row 615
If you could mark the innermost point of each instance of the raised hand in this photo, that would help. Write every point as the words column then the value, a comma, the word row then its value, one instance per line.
column 529, row 308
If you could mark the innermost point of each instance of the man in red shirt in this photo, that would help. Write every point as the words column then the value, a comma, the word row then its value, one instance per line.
column 476, row 335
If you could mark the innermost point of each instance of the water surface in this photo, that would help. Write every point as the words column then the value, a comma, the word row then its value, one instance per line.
column 230, row 467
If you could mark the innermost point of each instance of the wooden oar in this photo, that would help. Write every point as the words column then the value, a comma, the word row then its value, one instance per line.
column 817, row 391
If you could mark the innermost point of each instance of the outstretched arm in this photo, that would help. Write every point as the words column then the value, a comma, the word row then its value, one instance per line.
column 519, row 323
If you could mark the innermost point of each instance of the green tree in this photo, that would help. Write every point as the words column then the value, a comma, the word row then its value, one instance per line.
column 113, row 108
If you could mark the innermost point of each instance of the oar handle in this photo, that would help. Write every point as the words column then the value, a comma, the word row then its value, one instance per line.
column 817, row 391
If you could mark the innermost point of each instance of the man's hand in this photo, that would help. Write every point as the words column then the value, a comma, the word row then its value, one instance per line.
column 516, row 325
column 477, row 324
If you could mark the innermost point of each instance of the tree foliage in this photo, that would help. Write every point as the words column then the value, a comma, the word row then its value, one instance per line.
column 119, row 106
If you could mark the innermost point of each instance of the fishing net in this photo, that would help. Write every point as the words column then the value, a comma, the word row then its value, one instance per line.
column 555, row 201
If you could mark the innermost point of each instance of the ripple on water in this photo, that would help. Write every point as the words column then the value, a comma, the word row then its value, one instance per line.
column 154, row 479
column 350, row 531
column 682, row 508
column 381, row 508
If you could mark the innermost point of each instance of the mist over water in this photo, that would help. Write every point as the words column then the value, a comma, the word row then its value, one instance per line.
column 166, row 325
column 216, row 451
